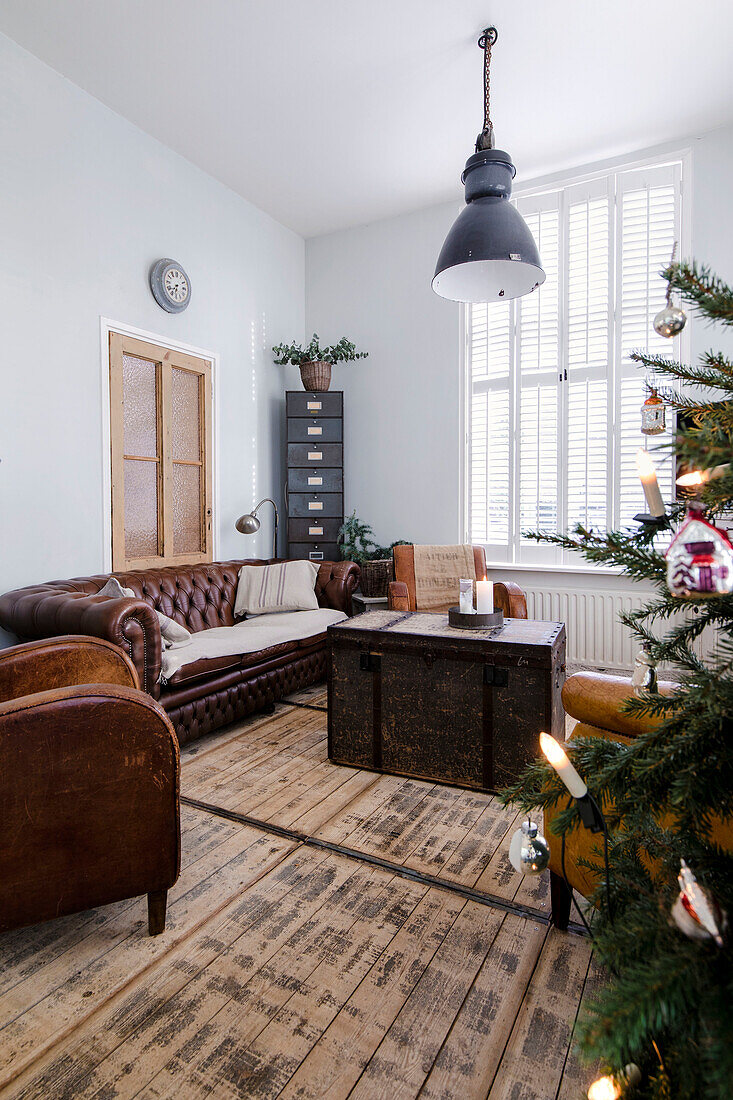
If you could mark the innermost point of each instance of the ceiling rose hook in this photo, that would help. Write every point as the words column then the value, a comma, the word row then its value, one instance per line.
column 490, row 35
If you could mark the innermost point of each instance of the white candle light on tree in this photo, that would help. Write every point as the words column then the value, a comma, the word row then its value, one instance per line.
column 557, row 756
column 697, row 478
column 648, row 474
column 613, row 1087
column 484, row 597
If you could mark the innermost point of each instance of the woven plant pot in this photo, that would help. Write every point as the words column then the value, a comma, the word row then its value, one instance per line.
column 375, row 577
column 315, row 376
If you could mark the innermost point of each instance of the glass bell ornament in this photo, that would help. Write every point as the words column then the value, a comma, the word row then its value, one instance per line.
column 699, row 558
column 529, row 852
column 644, row 675
column 652, row 415
column 696, row 912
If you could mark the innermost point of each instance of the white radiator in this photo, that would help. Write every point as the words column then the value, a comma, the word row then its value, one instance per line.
column 594, row 634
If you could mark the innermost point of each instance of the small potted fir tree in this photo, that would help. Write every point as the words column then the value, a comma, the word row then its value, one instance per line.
column 315, row 362
column 357, row 544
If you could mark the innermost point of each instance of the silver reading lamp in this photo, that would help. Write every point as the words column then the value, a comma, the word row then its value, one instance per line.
column 249, row 524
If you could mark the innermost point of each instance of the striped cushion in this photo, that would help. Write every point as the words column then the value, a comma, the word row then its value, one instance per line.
column 287, row 586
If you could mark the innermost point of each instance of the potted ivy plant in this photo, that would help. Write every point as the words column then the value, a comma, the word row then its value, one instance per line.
column 315, row 362
column 356, row 540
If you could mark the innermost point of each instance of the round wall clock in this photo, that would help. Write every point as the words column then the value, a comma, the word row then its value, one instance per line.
column 170, row 285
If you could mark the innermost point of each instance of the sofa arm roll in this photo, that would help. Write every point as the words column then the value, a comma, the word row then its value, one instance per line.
column 335, row 584
column 598, row 700
column 131, row 624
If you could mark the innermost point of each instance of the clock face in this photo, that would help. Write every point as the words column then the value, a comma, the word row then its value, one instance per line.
column 175, row 284
column 170, row 286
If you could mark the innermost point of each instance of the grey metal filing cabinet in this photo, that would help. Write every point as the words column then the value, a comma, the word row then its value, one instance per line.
column 315, row 485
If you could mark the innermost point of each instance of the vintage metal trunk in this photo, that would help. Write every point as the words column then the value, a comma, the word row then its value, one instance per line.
column 411, row 695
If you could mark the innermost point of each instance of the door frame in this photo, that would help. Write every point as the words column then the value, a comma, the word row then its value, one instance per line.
column 107, row 325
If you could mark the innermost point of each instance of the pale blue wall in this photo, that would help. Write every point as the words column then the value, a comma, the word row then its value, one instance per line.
column 87, row 204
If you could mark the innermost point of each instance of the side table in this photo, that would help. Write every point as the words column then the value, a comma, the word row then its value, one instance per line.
column 360, row 603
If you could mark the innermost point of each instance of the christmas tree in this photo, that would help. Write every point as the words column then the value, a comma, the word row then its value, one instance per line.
column 668, row 794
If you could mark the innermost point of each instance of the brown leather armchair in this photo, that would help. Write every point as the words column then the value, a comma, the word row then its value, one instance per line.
column 508, row 597
column 89, row 784
column 596, row 701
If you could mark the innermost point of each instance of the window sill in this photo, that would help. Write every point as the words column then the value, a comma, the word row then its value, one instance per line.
column 594, row 570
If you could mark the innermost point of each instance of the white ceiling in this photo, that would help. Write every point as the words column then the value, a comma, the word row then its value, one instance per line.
column 329, row 113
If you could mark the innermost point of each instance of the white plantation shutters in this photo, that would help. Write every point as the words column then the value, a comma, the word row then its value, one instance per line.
column 588, row 291
column 554, row 401
column 490, row 458
column 538, row 347
column 648, row 215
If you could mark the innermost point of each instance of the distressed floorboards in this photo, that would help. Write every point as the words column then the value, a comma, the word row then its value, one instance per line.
column 289, row 971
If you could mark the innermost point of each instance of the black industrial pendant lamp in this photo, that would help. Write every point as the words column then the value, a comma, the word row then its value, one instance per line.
column 489, row 254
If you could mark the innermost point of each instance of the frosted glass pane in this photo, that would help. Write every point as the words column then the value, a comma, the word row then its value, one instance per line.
column 140, row 419
column 185, row 416
column 187, row 510
column 141, row 509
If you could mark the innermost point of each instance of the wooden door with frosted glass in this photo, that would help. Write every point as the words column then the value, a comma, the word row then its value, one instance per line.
column 161, row 444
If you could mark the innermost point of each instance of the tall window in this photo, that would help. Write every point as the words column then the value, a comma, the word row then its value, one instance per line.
column 160, row 406
column 554, row 402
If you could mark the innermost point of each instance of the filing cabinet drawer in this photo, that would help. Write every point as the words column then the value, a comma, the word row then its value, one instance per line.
column 314, row 429
column 309, row 454
column 314, row 551
column 314, row 404
column 313, row 530
column 315, row 479
column 320, row 506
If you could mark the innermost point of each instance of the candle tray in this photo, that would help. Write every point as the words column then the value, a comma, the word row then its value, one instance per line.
column 474, row 621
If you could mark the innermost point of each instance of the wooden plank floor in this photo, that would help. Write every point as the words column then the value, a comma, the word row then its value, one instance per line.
column 289, row 971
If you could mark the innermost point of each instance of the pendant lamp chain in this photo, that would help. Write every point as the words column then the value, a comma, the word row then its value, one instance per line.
column 485, row 140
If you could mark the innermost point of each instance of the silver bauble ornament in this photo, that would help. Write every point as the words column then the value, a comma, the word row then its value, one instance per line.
column 696, row 912
column 529, row 852
column 670, row 321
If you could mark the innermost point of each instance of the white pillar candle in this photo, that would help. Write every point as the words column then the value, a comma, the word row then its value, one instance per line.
column 648, row 474
column 557, row 756
column 484, row 597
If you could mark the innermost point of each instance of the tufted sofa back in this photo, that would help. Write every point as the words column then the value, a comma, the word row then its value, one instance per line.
column 196, row 596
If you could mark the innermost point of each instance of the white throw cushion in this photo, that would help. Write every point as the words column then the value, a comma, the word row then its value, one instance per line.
column 172, row 634
column 287, row 586
column 114, row 590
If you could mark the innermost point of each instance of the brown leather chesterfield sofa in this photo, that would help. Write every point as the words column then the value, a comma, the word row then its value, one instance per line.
column 200, row 697
column 89, row 774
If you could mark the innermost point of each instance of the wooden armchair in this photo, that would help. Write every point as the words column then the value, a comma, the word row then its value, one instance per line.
column 596, row 701
column 89, row 784
column 508, row 597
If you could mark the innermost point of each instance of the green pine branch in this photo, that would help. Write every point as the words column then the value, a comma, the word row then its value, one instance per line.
column 698, row 286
